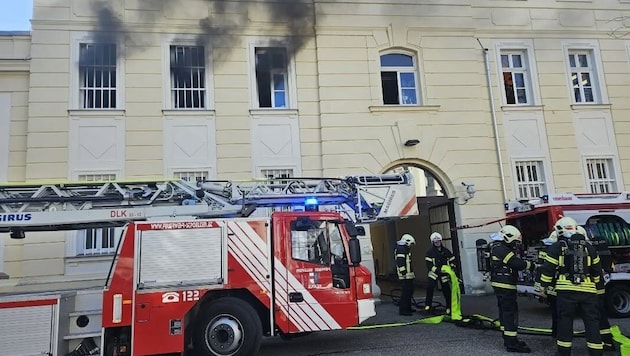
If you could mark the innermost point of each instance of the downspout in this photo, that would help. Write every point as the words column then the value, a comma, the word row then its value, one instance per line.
column 494, row 121
column 319, row 90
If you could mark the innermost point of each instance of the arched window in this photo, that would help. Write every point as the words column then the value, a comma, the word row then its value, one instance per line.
column 399, row 79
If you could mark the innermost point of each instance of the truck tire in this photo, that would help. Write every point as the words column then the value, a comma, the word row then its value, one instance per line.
column 618, row 301
column 228, row 327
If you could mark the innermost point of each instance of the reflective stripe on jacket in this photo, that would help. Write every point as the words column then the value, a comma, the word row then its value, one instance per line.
column 436, row 258
column 505, row 266
column 554, row 263
column 404, row 269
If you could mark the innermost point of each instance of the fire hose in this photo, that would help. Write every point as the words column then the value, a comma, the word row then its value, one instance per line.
column 478, row 321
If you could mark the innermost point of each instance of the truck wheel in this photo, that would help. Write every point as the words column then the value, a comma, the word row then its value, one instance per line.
column 618, row 301
column 228, row 327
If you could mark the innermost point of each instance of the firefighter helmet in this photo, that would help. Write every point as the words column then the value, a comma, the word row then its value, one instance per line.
column 552, row 239
column 510, row 234
column 435, row 237
column 566, row 226
column 407, row 239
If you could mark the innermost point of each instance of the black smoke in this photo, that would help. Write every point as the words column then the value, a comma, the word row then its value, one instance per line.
column 292, row 19
column 109, row 28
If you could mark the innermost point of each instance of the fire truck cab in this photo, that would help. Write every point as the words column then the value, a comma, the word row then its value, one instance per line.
column 605, row 217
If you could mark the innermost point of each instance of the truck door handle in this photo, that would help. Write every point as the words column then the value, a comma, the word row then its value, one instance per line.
column 296, row 297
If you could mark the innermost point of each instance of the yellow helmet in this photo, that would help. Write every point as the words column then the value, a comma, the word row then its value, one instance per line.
column 510, row 234
column 566, row 226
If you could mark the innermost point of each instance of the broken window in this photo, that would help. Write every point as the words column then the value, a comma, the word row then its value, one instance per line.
column 188, row 77
column 271, row 77
column 97, row 75
column 398, row 79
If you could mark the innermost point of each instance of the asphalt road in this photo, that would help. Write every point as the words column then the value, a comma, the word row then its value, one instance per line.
column 424, row 339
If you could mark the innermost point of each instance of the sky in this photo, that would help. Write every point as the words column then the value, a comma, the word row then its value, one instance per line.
column 15, row 15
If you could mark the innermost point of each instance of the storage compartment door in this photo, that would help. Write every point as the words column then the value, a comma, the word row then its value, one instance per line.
column 27, row 330
column 181, row 257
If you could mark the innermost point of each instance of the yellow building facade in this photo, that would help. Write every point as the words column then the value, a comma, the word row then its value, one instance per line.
column 489, row 100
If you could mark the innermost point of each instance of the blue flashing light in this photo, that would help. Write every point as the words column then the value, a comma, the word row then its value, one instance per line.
column 311, row 201
column 311, row 204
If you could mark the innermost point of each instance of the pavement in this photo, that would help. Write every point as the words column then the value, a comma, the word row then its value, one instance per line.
column 444, row 338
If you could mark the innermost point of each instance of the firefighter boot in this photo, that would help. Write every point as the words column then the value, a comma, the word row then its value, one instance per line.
column 520, row 342
column 519, row 347
column 608, row 342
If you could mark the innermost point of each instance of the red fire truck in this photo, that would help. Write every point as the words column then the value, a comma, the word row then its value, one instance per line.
column 605, row 218
column 196, row 274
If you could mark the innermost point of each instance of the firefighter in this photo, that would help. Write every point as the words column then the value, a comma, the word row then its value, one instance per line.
column 606, row 263
column 578, row 269
column 405, row 273
column 436, row 257
column 549, row 292
column 504, row 277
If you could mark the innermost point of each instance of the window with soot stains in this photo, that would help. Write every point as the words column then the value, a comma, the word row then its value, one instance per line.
column 271, row 77
column 97, row 75
column 188, row 77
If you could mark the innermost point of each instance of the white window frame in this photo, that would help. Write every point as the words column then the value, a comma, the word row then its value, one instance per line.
column 260, row 170
column 600, row 94
column 526, row 48
column 76, row 39
column 415, row 70
column 173, row 172
column 542, row 166
column 75, row 240
column 185, row 40
column 291, row 86
column 614, row 167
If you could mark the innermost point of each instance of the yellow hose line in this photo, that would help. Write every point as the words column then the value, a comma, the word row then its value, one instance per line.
column 428, row 320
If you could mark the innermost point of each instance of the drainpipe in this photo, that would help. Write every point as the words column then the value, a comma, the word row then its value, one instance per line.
column 494, row 120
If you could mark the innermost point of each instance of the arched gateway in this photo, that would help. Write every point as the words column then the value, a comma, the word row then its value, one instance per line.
column 436, row 203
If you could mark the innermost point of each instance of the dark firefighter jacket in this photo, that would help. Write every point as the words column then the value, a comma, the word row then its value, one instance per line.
column 436, row 258
column 404, row 269
column 555, row 262
column 605, row 259
column 542, row 255
column 505, row 266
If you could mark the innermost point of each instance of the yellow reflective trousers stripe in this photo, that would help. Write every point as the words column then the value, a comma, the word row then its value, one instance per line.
column 503, row 285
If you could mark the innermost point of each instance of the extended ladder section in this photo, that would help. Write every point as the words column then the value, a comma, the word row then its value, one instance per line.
column 568, row 199
column 76, row 205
